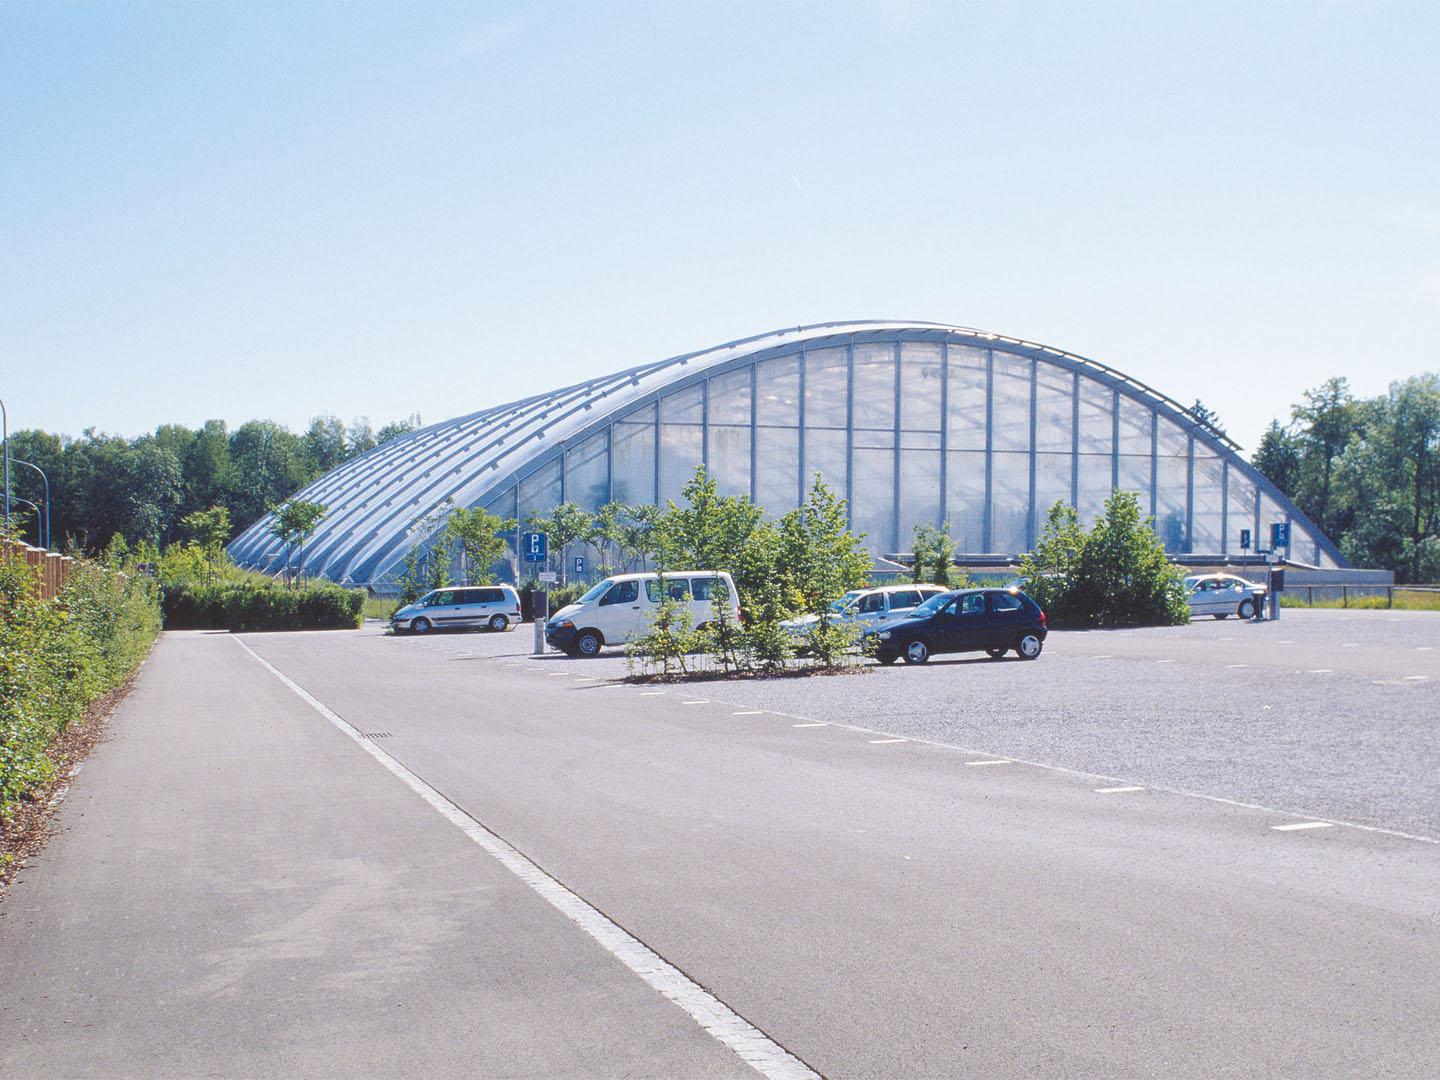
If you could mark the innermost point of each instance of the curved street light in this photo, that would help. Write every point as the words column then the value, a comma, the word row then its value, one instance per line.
column 27, row 502
column 46, row 479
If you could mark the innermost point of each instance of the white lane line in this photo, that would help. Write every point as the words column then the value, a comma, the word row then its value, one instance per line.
column 1423, row 648
column 652, row 693
column 815, row 724
column 881, row 742
column 749, row 712
column 1413, row 678
column 1350, row 645
column 996, row 761
column 725, row 1025
column 556, row 675
column 698, row 701
column 1116, row 790
column 1104, row 656
column 1285, row 641
column 1236, row 665
column 1297, row 825
column 1164, row 661
column 1321, row 671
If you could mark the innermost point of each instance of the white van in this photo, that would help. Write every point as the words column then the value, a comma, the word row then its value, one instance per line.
column 622, row 608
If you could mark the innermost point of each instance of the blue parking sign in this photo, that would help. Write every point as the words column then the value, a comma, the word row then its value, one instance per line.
column 536, row 546
column 1279, row 535
column 579, row 565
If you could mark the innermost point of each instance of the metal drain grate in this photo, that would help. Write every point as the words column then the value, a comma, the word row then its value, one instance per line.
column 376, row 735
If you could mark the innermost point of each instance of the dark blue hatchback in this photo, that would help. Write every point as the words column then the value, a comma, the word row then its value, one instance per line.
column 966, row 620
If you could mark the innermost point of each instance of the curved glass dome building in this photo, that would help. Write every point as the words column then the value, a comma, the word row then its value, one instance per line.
column 913, row 422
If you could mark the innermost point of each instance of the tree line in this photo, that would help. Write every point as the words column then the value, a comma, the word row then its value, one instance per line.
column 143, row 488
column 1366, row 470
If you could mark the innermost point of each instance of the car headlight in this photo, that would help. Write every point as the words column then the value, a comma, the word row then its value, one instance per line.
column 563, row 624
column 883, row 635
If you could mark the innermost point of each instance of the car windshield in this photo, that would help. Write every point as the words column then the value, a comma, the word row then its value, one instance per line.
column 844, row 602
column 931, row 606
column 595, row 591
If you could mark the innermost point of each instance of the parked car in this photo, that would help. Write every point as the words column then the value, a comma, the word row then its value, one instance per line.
column 1221, row 595
column 622, row 608
column 470, row 606
column 965, row 620
column 869, row 607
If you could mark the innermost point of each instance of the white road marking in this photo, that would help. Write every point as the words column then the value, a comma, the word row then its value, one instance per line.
column 652, row 693
column 1416, row 677
column 698, row 701
column 1103, row 656
column 1423, row 648
column 725, row 1025
column 995, row 761
column 556, row 675
column 1350, row 645
column 879, row 742
column 1321, row 671
column 814, row 724
column 749, row 712
column 1286, row 641
column 1116, row 790
column 1237, row 665
column 1297, row 825
column 1164, row 661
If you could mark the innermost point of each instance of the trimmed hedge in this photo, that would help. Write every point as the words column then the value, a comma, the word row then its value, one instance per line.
column 57, row 656
column 247, row 605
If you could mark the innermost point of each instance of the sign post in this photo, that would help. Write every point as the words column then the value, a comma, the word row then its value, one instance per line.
column 535, row 548
column 579, row 566
column 1279, row 542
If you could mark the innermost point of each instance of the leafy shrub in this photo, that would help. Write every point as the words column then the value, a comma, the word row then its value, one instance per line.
column 250, row 605
column 1115, row 574
column 56, row 657
column 672, row 637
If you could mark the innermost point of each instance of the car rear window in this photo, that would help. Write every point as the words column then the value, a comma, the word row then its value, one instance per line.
column 1006, row 602
column 906, row 599
column 702, row 587
column 972, row 604
column 677, row 588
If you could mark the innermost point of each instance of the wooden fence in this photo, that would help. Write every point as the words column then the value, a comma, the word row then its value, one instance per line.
column 54, row 567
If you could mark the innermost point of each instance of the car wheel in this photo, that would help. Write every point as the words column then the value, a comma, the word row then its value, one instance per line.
column 420, row 626
column 588, row 644
column 1028, row 647
column 1247, row 609
column 886, row 659
column 1222, row 615
column 916, row 652
column 499, row 622
column 995, row 654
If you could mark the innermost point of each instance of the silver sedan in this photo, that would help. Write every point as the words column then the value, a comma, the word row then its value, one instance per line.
column 1221, row 595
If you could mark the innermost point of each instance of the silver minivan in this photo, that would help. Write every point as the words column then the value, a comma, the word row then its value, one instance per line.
column 463, row 607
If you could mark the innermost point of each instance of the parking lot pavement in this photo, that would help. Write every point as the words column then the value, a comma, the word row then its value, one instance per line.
column 885, row 906
column 1327, row 713
column 236, row 890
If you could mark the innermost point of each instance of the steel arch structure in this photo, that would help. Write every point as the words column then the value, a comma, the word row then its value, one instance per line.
column 914, row 422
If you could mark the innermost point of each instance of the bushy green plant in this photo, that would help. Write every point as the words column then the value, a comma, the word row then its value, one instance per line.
column 56, row 657
column 1114, row 574
column 249, row 605
column 665, row 647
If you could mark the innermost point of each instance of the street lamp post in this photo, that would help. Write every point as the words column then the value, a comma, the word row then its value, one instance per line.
column 27, row 502
column 46, row 480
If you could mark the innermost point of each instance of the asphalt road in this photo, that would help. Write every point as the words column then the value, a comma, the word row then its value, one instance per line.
column 237, row 877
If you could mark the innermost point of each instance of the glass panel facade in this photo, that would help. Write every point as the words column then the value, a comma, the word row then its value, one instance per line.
column 587, row 474
column 920, row 387
column 1207, row 501
column 1010, row 503
column 965, row 405
column 1171, row 477
column 1011, row 409
column 1242, row 511
column 965, row 499
column 874, row 391
column 682, row 439
column 1096, row 443
column 540, row 491
column 919, row 493
column 873, row 509
column 728, row 450
column 777, row 434
column 634, row 450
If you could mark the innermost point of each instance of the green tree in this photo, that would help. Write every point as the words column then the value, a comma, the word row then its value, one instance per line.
column 934, row 554
column 823, row 560
column 708, row 531
column 1207, row 418
column 397, row 428
column 1278, row 457
column 1051, row 570
column 295, row 521
column 482, row 538
column 1325, row 421
column 1121, row 576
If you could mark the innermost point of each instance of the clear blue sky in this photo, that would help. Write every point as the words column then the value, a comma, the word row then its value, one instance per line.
column 247, row 211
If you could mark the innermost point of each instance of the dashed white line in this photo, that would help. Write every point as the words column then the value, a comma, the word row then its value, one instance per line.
column 813, row 724
column 749, row 712
column 1116, row 790
column 1423, row 648
column 652, row 693
column 723, row 1024
column 1295, row 826
column 1104, row 656
column 988, row 761
column 1416, row 678
column 1321, row 671
column 880, row 742
column 1164, row 661
column 1236, row 665
column 698, row 701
